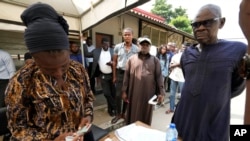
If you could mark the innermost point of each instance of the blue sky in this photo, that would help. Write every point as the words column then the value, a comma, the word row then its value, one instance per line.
column 230, row 10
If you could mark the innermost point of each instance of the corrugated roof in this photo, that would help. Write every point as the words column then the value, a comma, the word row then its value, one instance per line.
column 158, row 20
column 148, row 15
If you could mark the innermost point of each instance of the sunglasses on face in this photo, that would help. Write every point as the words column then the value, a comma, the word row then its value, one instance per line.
column 206, row 23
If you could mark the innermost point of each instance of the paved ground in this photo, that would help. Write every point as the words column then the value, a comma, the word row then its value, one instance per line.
column 238, row 109
column 103, row 120
column 160, row 119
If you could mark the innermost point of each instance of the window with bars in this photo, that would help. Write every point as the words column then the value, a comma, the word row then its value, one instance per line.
column 161, row 36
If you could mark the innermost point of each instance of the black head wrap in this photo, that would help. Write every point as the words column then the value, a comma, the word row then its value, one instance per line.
column 46, row 30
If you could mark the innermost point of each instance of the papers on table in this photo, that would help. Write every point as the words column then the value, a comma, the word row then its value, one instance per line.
column 135, row 132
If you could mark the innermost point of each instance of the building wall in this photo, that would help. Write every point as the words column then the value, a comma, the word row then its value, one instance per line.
column 133, row 22
column 13, row 43
column 115, row 25
column 160, row 35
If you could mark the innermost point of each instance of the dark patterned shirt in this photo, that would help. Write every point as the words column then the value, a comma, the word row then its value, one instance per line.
column 38, row 110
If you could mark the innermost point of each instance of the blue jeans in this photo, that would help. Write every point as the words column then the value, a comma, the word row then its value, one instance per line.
column 173, row 90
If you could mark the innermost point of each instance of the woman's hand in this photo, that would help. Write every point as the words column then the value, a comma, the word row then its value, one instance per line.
column 85, row 121
column 75, row 137
column 62, row 137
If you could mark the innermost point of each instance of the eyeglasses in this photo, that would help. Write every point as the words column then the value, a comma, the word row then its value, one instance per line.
column 206, row 23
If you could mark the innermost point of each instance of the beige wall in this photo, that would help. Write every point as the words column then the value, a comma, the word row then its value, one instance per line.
column 114, row 27
column 104, row 9
column 132, row 22
column 10, row 12
column 13, row 43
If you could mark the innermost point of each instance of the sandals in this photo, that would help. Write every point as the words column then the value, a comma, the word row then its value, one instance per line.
column 169, row 111
column 116, row 118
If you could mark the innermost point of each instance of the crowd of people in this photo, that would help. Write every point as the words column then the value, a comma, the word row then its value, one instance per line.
column 52, row 95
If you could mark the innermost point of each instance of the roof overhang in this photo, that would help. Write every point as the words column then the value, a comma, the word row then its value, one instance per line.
column 80, row 14
column 156, row 20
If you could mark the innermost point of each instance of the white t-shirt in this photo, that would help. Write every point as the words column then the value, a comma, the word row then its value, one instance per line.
column 177, row 74
column 104, row 58
column 153, row 50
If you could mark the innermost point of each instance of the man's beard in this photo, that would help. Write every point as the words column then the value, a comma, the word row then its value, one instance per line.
column 143, row 54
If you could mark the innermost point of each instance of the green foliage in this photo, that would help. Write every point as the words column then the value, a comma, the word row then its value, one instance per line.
column 176, row 17
column 182, row 23
column 179, row 12
column 162, row 9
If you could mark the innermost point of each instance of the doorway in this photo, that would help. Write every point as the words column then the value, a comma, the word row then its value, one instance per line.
column 99, row 37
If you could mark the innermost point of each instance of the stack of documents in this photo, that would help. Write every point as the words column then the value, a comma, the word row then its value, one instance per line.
column 135, row 132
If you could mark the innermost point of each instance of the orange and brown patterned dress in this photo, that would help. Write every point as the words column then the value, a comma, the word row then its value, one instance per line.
column 38, row 110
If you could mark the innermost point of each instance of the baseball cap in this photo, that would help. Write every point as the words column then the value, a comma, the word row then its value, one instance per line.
column 144, row 39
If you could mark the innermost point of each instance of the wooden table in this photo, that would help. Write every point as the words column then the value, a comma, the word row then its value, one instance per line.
column 112, row 136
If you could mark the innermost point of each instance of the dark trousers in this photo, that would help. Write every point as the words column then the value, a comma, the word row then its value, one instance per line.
column 3, row 85
column 108, row 89
column 121, row 105
column 92, row 79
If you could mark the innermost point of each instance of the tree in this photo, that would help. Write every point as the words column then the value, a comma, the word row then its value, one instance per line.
column 179, row 12
column 162, row 9
column 176, row 17
column 182, row 23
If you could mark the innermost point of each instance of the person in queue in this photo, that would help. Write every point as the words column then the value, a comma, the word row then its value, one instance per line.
column 28, row 58
column 142, row 70
column 7, row 70
column 122, row 52
column 75, row 52
column 102, row 62
column 212, row 78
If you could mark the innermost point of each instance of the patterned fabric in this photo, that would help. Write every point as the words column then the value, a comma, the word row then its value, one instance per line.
column 37, row 110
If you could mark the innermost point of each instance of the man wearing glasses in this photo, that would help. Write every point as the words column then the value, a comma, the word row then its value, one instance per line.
column 211, row 79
